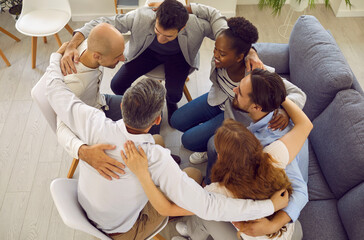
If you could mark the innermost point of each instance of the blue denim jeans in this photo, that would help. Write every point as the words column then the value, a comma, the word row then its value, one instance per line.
column 199, row 121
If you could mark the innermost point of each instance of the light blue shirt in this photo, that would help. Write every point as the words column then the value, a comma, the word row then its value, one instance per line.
column 297, row 170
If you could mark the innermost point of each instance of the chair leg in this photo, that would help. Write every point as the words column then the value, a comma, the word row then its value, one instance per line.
column 187, row 79
column 4, row 58
column 116, row 6
column 69, row 29
column 72, row 168
column 187, row 93
column 158, row 237
column 34, row 51
column 45, row 39
column 9, row 34
column 58, row 39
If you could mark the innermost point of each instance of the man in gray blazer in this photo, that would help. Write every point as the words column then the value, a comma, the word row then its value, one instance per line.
column 168, row 36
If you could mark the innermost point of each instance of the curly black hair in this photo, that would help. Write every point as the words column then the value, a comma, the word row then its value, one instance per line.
column 242, row 33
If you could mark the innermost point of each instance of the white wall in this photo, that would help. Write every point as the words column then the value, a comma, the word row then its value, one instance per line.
column 226, row 7
column 86, row 10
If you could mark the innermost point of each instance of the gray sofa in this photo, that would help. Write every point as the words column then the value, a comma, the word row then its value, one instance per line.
column 335, row 104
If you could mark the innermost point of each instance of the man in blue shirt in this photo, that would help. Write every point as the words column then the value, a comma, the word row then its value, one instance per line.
column 254, row 105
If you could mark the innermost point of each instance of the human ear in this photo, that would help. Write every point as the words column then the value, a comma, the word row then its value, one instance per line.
column 97, row 56
column 240, row 57
column 158, row 120
column 257, row 107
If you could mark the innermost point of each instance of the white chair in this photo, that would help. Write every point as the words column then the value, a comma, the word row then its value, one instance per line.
column 42, row 18
column 39, row 97
column 64, row 194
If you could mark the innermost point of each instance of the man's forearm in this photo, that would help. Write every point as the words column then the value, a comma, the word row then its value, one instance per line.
column 212, row 15
column 82, row 153
column 76, row 40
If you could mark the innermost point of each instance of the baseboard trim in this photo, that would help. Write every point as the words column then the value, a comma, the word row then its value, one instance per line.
column 350, row 13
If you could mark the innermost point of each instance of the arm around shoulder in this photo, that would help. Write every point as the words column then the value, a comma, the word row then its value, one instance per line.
column 297, row 136
column 212, row 15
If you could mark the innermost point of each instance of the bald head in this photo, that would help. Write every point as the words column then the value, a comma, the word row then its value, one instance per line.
column 104, row 38
column 107, row 44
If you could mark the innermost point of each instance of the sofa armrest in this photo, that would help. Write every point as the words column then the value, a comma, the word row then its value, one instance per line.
column 275, row 55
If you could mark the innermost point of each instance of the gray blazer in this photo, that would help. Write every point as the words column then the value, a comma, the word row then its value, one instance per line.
column 205, row 22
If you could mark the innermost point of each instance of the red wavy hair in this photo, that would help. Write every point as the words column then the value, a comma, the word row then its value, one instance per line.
column 242, row 166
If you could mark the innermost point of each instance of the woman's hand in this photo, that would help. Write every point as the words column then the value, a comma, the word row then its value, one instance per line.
column 279, row 120
column 136, row 160
column 252, row 61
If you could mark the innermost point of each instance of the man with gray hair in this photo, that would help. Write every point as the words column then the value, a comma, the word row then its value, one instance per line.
column 120, row 207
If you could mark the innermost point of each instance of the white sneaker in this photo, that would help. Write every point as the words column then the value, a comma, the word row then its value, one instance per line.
column 198, row 157
column 181, row 228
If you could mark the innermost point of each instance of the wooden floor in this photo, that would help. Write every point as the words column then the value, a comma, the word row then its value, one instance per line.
column 29, row 154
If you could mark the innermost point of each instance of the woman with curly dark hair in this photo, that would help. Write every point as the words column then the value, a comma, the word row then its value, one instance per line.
column 199, row 119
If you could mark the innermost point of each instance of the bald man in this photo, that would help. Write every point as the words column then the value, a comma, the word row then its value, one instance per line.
column 104, row 47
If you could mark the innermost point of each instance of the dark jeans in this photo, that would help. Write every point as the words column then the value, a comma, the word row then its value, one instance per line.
column 211, row 159
column 198, row 121
column 114, row 111
column 175, row 66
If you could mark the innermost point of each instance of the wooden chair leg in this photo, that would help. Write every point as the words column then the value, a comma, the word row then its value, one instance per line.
column 116, row 6
column 158, row 237
column 187, row 79
column 9, row 34
column 69, row 29
column 187, row 93
column 45, row 39
column 4, row 58
column 34, row 51
column 58, row 39
column 72, row 168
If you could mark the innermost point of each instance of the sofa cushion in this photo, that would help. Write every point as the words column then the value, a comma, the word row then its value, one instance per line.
column 274, row 55
column 351, row 211
column 338, row 140
column 317, row 185
column 316, row 64
column 320, row 221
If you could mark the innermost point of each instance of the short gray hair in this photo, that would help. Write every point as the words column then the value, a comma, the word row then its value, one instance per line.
column 143, row 103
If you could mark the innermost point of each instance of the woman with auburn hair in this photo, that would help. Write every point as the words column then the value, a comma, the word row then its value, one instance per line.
column 254, row 173
column 244, row 169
